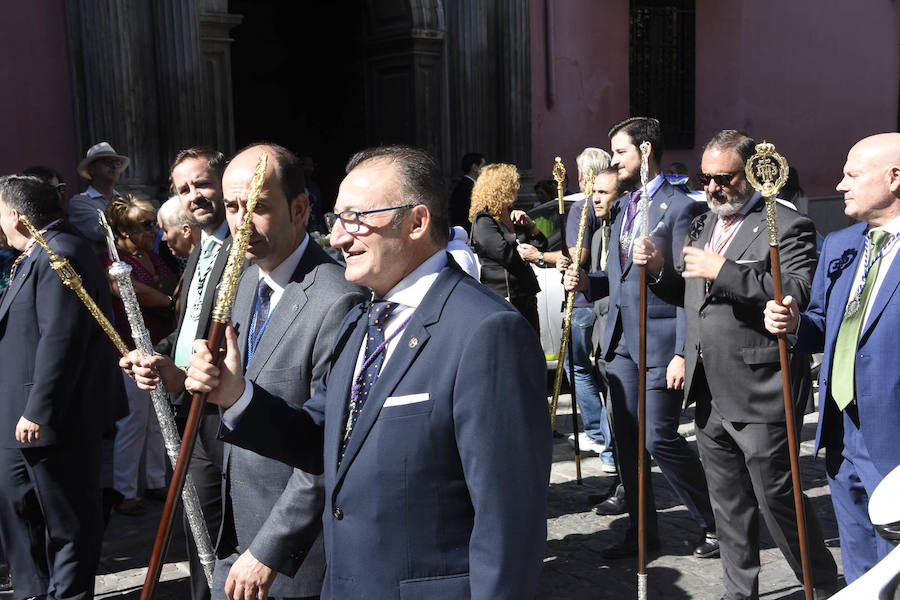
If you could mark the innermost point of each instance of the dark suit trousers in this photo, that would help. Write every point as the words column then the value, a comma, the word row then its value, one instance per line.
column 852, row 477
column 50, row 515
column 206, row 469
column 676, row 459
column 749, row 471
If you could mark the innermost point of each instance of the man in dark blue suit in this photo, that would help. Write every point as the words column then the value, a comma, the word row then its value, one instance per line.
column 58, row 371
column 853, row 317
column 670, row 214
column 436, row 467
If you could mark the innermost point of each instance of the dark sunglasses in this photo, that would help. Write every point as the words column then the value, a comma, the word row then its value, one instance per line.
column 60, row 188
column 148, row 225
column 721, row 179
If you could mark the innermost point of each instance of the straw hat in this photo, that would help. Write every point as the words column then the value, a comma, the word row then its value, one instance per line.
column 98, row 151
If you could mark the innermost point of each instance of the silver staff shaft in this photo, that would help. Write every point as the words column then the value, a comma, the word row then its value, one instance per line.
column 192, row 509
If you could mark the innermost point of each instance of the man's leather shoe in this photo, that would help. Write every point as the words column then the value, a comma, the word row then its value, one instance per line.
column 614, row 505
column 629, row 547
column 708, row 548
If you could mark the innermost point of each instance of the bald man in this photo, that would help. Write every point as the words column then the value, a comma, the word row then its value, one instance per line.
column 853, row 317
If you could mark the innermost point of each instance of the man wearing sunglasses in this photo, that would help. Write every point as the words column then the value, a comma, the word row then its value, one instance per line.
column 732, row 369
column 437, row 441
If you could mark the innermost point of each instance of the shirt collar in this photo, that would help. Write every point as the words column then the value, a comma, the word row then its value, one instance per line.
column 748, row 206
column 218, row 235
column 654, row 184
column 94, row 193
column 892, row 227
column 412, row 288
column 281, row 275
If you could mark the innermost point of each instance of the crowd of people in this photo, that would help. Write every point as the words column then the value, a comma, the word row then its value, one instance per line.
column 397, row 400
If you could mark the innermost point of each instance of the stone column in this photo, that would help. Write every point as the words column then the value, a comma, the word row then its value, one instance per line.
column 114, row 72
column 151, row 78
column 403, row 66
column 181, row 90
column 490, row 81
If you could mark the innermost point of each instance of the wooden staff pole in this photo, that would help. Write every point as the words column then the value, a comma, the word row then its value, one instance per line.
column 643, row 479
column 220, row 317
column 767, row 172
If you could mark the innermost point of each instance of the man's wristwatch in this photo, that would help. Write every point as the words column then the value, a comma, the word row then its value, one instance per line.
column 540, row 261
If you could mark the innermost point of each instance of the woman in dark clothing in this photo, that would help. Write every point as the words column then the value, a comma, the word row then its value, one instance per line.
column 497, row 230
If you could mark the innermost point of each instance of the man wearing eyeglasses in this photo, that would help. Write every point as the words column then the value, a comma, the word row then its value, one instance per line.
column 288, row 307
column 732, row 368
column 437, row 441
column 102, row 166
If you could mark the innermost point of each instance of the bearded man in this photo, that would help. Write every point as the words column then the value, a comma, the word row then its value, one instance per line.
column 732, row 368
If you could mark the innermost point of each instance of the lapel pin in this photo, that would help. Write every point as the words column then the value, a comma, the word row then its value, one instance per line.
column 295, row 307
column 664, row 206
column 413, row 341
column 755, row 229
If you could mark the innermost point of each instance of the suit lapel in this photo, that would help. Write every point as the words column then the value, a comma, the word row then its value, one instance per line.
column 289, row 306
column 840, row 293
column 244, row 306
column 659, row 203
column 212, row 287
column 753, row 226
column 22, row 273
column 413, row 339
column 340, row 379
column 885, row 293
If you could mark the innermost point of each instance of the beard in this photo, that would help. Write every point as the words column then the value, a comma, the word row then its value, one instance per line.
column 722, row 205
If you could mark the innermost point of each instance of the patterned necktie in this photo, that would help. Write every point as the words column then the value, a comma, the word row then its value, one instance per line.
column 627, row 227
column 604, row 246
column 373, row 358
column 260, row 317
column 843, row 373
column 188, row 331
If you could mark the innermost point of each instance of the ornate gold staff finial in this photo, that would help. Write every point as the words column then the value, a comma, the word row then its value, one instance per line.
column 232, row 274
column 559, row 174
column 72, row 280
column 767, row 172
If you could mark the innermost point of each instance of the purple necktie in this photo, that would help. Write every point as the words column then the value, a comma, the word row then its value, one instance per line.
column 625, row 237
column 378, row 313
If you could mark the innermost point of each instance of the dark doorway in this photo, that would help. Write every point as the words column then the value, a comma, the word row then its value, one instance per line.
column 298, row 80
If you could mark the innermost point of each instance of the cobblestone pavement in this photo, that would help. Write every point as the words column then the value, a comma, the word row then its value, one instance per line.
column 573, row 568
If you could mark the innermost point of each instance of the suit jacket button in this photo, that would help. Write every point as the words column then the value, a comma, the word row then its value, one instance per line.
column 338, row 514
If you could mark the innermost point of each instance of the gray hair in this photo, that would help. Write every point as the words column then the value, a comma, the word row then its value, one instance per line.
column 172, row 213
column 592, row 160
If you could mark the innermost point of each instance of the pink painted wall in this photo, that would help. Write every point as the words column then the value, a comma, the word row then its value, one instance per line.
column 36, row 116
column 811, row 76
column 591, row 80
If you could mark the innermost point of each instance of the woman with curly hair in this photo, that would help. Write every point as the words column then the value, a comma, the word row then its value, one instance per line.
column 497, row 230
column 134, row 225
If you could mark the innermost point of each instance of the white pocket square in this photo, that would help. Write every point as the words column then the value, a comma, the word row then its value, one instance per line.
column 402, row 400
column 749, row 262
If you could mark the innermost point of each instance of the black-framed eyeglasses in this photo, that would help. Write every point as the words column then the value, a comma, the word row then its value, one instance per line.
column 350, row 219
column 149, row 225
column 721, row 179
column 60, row 188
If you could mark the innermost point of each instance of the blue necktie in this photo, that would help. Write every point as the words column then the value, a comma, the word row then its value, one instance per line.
column 260, row 317
column 362, row 384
